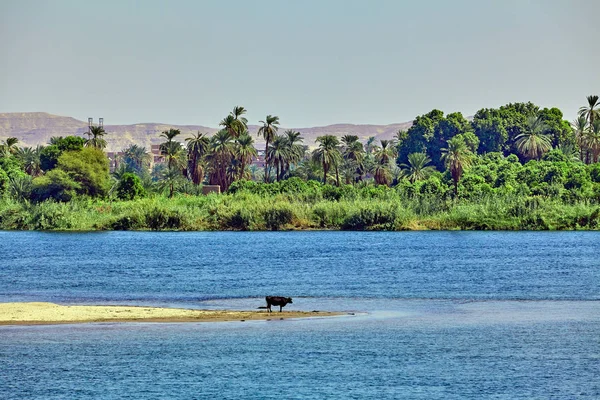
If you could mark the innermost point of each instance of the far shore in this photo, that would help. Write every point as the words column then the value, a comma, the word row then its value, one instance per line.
column 38, row 313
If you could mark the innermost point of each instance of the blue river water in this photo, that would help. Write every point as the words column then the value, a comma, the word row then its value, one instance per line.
column 452, row 315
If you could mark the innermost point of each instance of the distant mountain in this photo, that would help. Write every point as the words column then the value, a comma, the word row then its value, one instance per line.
column 37, row 128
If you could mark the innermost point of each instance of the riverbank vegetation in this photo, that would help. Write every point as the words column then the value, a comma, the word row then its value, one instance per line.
column 512, row 168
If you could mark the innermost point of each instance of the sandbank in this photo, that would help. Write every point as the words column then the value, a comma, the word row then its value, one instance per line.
column 38, row 313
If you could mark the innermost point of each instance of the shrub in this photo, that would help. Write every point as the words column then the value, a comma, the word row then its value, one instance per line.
column 277, row 217
column 56, row 185
column 130, row 187
column 159, row 219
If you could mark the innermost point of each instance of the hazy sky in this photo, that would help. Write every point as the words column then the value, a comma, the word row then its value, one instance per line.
column 309, row 62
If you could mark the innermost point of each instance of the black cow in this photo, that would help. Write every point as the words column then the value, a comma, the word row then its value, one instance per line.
column 277, row 301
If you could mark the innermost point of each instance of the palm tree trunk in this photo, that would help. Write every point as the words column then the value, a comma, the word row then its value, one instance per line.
column 325, row 173
column 243, row 168
column 337, row 176
column 266, row 161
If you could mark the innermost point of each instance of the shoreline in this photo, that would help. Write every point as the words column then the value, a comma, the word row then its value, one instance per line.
column 44, row 313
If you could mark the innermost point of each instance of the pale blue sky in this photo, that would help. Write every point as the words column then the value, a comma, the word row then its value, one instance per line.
column 310, row 62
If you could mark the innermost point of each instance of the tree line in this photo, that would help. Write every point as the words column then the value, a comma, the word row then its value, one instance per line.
column 447, row 148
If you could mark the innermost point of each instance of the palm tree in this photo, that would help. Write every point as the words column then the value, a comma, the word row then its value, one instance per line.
column 593, row 140
column 369, row 146
column 383, row 155
column 235, row 123
column 173, row 153
column 197, row 147
column 295, row 150
column 171, row 149
column 96, row 137
column 592, row 110
column 170, row 134
column 417, row 168
column 244, row 151
column 31, row 160
column 354, row 155
column 580, row 126
column 533, row 143
column 457, row 158
column 328, row 155
column 268, row 131
column 241, row 124
column 9, row 146
column 170, row 179
column 137, row 158
column 221, row 150
column 278, row 154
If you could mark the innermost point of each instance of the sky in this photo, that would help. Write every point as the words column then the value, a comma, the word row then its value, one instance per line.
column 311, row 62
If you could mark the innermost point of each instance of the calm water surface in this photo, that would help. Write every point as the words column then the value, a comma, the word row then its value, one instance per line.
column 504, row 315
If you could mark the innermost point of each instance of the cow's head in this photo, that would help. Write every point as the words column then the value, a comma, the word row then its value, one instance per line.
column 289, row 300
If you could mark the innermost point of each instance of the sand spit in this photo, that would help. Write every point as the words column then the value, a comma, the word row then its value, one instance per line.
column 50, row 313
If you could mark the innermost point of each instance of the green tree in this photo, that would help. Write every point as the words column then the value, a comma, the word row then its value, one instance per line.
column 457, row 157
column 137, row 158
column 277, row 154
column 268, row 131
column 592, row 110
column 96, row 137
column 220, row 157
column 9, row 147
column 383, row 155
column 30, row 157
column 580, row 126
column 197, row 148
column 353, row 154
column 417, row 168
column 89, row 168
column 533, row 143
column 56, row 185
column 244, row 151
column 130, row 187
column 328, row 155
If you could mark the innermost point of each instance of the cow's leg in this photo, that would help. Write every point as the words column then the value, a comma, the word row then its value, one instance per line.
column 280, row 308
column 268, row 307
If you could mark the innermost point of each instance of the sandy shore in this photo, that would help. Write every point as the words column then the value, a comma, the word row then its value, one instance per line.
column 50, row 313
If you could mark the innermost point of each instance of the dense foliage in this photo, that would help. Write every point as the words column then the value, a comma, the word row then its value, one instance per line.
column 515, row 167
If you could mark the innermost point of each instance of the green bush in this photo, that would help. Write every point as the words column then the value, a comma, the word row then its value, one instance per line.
column 162, row 219
column 130, row 187
column 278, row 217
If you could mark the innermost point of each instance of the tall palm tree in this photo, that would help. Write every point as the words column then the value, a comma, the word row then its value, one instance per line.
column 268, row 131
column 96, row 137
column 354, row 155
column 170, row 134
column 457, row 158
column 221, row 151
column 173, row 153
column 241, row 124
column 592, row 110
column 417, row 168
column 296, row 150
column 278, row 154
column 533, row 143
column 328, row 155
column 9, row 146
column 197, row 147
column 593, row 140
column 244, row 151
column 580, row 126
column 31, row 160
column 383, row 155
column 370, row 145
column 171, row 149
column 137, row 157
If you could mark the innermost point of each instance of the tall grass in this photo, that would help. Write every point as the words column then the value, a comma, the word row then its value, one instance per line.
column 386, row 210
